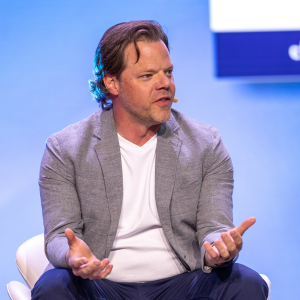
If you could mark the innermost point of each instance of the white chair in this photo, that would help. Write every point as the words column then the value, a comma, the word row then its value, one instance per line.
column 31, row 262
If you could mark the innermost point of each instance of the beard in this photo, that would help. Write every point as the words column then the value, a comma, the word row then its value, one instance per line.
column 148, row 115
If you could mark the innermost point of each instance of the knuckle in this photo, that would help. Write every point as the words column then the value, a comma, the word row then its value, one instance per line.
column 237, row 237
column 232, row 248
column 235, row 253
column 238, row 245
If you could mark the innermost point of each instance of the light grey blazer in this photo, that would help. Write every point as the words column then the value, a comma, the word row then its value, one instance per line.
column 81, row 186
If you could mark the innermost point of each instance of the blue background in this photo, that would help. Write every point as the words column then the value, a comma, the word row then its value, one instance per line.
column 46, row 60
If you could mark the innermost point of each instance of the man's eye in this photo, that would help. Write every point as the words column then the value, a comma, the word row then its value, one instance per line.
column 169, row 72
column 147, row 76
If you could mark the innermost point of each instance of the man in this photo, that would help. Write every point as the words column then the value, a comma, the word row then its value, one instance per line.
column 143, row 185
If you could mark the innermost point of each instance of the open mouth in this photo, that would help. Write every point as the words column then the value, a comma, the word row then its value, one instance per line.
column 163, row 101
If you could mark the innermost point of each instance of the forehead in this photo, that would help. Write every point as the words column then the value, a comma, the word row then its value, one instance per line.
column 151, row 54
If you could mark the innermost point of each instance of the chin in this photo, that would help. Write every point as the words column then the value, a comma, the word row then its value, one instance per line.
column 162, row 117
column 155, row 117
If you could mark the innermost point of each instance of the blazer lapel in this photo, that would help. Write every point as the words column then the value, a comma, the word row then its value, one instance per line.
column 108, row 152
column 167, row 153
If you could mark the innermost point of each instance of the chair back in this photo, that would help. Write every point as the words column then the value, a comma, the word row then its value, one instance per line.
column 31, row 259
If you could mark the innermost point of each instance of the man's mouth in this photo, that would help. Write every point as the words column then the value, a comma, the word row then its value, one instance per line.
column 163, row 101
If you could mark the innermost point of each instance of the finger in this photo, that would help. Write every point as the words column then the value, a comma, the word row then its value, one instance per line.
column 245, row 225
column 103, row 273
column 222, row 250
column 95, row 273
column 77, row 262
column 101, row 264
column 209, row 249
column 236, row 238
column 70, row 236
column 87, row 271
column 106, row 271
column 91, row 267
column 228, row 242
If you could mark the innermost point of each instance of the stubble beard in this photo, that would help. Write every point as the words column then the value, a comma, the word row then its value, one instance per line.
column 147, row 116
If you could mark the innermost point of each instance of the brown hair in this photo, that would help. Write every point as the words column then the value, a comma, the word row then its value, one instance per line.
column 109, row 56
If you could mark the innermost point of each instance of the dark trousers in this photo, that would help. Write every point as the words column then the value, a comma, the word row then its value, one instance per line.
column 236, row 282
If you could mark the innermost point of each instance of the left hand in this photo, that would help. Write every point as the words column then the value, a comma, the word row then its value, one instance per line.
column 227, row 246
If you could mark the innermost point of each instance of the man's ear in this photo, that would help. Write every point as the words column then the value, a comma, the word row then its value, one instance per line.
column 111, row 83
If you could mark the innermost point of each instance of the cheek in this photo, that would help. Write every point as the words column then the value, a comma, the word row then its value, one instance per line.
column 173, row 85
column 135, row 88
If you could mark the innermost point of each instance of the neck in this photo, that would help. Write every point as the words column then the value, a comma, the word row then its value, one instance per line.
column 132, row 130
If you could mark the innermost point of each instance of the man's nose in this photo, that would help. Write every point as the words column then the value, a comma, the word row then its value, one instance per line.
column 163, row 81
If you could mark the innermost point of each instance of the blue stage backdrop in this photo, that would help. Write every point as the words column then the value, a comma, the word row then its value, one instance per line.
column 46, row 60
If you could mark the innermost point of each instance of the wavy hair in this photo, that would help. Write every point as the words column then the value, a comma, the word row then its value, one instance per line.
column 109, row 56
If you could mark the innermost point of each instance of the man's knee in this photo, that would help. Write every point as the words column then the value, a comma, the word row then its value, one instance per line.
column 249, row 277
column 245, row 282
column 57, row 284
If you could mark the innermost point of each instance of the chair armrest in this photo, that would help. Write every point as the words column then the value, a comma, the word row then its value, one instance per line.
column 18, row 291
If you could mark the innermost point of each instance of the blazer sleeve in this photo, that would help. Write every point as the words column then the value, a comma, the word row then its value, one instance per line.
column 60, row 202
column 214, row 214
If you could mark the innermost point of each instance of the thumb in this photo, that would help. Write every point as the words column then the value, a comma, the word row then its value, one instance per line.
column 70, row 236
column 245, row 225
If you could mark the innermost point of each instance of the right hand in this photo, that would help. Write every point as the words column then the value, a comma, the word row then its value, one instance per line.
column 82, row 261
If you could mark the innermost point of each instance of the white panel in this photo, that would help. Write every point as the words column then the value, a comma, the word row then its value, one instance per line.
column 254, row 15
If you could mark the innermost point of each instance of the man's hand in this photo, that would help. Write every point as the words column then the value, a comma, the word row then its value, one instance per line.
column 82, row 261
column 227, row 246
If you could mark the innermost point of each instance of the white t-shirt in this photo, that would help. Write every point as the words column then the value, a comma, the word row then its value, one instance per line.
column 140, row 252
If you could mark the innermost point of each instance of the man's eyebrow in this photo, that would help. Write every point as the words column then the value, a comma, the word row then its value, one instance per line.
column 153, row 71
column 149, row 70
column 170, row 67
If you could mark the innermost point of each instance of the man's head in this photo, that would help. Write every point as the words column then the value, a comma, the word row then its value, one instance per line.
column 110, row 54
column 144, row 93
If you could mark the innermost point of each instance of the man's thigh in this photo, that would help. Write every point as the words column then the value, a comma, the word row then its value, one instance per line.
column 59, row 284
column 235, row 282
column 62, row 284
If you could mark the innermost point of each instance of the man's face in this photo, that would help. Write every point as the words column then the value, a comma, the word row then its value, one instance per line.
column 146, row 88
